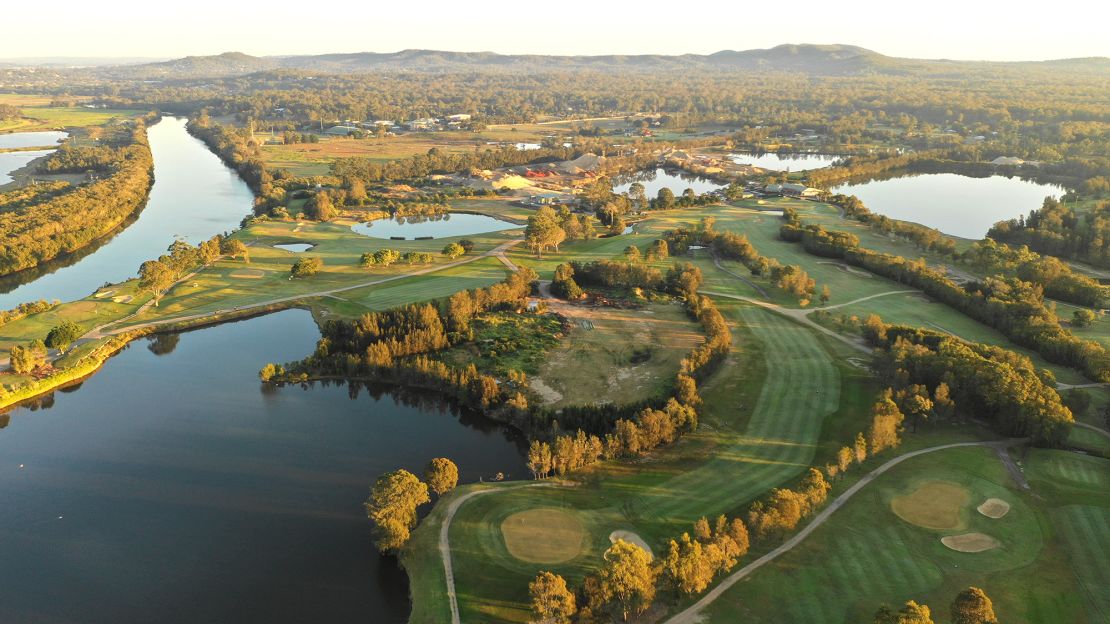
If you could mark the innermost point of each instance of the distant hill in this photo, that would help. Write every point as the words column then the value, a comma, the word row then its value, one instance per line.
column 828, row 60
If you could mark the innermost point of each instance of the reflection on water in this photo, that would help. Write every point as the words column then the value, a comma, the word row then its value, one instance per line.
column 194, row 197
column 170, row 488
column 783, row 161
column 31, row 139
column 10, row 161
column 656, row 179
column 433, row 226
column 952, row 203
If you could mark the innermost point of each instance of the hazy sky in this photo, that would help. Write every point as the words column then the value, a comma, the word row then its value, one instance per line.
column 963, row 29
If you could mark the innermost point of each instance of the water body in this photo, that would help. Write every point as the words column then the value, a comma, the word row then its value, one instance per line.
column 167, row 489
column 954, row 204
column 437, row 226
column 784, row 161
column 654, row 180
column 31, row 139
column 194, row 197
column 10, row 161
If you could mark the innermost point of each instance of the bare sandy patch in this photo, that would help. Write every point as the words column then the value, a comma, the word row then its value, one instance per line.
column 631, row 538
column 104, row 293
column 994, row 508
column 247, row 274
column 546, row 392
column 122, row 299
column 970, row 542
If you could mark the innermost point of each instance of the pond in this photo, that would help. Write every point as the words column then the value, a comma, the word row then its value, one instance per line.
column 31, row 139
column 784, row 161
column 166, row 489
column 436, row 226
column 952, row 203
column 10, row 161
column 295, row 247
column 654, row 180
column 194, row 197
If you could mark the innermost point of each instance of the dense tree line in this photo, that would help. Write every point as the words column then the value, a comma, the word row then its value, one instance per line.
column 1055, row 278
column 157, row 276
column 1057, row 229
column 985, row 381
column 923, row 237
column 971, row 606
column 38, row 227
column 24, row 310
column 1014, row 307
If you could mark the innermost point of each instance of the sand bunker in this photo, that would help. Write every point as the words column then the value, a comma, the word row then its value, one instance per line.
column 994, row 508
column 104, row 293
column 122, row 299
column 631, row 538
column 543, row 535
column 248, row 274
column 933, row 505
column 970, row 542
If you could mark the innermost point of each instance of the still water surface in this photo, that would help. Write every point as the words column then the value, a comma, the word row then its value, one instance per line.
column 194, row 197
column 784, row 161
column 654, row 180
column 31, row 139
column 437, row 226
column 170, row 489
column 952, row 203
column 10, row 161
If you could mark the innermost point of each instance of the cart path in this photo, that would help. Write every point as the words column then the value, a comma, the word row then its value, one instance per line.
column 692, row 614
column 103, row 331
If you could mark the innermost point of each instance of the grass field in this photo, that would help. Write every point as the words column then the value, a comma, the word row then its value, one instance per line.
column 865, row 556
column 50, row 118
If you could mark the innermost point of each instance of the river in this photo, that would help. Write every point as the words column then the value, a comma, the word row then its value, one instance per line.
column 954, row 204
column 174, row 488
column 194, row 197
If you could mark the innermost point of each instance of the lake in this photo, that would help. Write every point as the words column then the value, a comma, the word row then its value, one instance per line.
column 295, row 247
column 194, row 197
column 10, row 161
column 654, row 180
column 31, row 139
column 784, row 161
column 169, row 489
column 436, row 226
column 954, row 204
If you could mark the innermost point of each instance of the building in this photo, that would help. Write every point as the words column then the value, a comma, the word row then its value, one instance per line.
column 459, row 117
column 341, row 130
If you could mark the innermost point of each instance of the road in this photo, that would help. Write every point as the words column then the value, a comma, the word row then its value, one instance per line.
column 692, row 614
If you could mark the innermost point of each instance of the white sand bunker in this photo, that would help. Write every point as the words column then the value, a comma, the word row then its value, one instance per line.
column 631, row 538
column 970, row 542
column 122, row 299
column 104, row 293
column 994, row 508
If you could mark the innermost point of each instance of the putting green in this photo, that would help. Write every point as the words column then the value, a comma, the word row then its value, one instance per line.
column 933, row 505
column 543, row 535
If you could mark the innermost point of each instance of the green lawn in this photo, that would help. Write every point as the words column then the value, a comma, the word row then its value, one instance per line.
column 865, row 556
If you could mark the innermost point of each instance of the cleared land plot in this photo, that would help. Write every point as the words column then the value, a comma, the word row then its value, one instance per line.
column 617, row 356
column 865, row 556
column 45, row 118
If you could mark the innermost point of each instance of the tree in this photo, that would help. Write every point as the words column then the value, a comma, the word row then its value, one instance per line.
column 320, row 207
column 467, row 245
column 269, row 371
column 943, row 405
column 1082, row 318
column 381, row 257
column 627, row 576
column 551, row 600
column 687, row 566
column 914, row 401
column 543, row 231
column 306, row 267
column 235, row 248
column 972, row 606
column 1077, row 400
column 392, row 508
column 539, row 459
column 826, row 294
column 453, row 250
column 886, row 422
column 442, row 475
column 632, row 254
column 25, row 359
column 61, row 336
column 913, row 613
column 658, row 250
column 636, row 192
column 155, row 277
column 664, row 199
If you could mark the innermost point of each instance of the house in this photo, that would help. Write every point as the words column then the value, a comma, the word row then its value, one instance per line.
column 799, row 190
column 549, row 199
column 458, row 117
column 424, row 124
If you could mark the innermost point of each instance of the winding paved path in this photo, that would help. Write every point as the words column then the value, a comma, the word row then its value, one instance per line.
column 102, row 330
column 692, row 614
column 801, row 316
